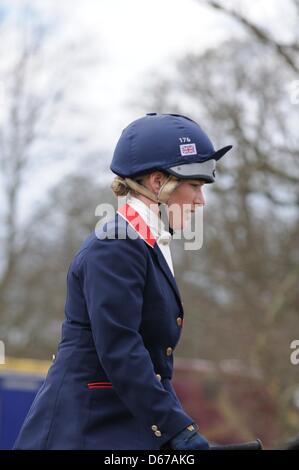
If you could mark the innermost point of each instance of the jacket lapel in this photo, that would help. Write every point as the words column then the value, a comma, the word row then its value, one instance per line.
column 134, row 219
column 166, row 270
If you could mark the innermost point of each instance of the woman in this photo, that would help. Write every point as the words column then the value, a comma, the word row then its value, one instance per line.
column 110, row 385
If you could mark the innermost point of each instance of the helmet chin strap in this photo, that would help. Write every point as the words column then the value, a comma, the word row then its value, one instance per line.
column 166, row 189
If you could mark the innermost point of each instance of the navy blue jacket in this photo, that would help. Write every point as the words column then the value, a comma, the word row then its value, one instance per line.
column 110, row 384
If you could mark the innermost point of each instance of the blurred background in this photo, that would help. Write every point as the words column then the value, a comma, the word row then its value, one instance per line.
column 73, row 74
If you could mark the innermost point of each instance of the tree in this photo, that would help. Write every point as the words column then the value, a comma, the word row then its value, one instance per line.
column 288, row 52
column 34, row 81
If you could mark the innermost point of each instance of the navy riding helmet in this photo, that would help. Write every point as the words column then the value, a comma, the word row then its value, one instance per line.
column 171, row 143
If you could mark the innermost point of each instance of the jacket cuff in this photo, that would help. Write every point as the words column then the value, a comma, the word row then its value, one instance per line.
column 172, row 425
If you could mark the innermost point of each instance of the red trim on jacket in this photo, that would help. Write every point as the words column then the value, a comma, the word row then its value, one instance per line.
column 138, row 223
column 92, row 385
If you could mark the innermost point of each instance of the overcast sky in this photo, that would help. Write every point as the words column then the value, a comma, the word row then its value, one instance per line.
column 134, row 38
column 130, row 40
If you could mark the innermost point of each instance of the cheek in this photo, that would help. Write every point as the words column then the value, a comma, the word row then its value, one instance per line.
column 187, row 194
column 183, row 192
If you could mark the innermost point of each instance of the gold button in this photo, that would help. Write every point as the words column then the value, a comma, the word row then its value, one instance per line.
column 154, row 428
column 169, row 351
column 159, row 377
column 53, row 357
column 158, row 434
column 179, row 321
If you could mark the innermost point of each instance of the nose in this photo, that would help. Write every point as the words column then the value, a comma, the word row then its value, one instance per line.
column 200, row 198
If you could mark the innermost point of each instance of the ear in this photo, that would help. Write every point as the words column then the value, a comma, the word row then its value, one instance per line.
column 155, row 180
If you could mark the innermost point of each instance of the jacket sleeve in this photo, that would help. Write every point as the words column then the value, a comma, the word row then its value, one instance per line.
column 114, row 275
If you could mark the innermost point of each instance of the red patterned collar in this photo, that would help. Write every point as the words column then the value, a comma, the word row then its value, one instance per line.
column 138, row 223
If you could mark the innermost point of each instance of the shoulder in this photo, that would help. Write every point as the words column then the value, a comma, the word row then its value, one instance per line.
column 111, row 241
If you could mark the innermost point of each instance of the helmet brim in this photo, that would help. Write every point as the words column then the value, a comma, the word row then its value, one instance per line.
column 202, row 168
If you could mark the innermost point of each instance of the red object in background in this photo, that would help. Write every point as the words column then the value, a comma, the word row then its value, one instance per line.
column 228, row 402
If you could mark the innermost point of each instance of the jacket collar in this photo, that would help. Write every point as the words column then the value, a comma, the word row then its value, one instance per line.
column 137, row 222
column 152, row 219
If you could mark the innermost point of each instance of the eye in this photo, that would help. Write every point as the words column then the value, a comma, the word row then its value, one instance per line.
column 197, row 184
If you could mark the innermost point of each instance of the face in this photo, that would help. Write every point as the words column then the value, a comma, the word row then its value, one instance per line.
column 185, row 199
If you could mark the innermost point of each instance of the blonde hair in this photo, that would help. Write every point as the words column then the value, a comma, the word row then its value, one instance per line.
column 120, row 187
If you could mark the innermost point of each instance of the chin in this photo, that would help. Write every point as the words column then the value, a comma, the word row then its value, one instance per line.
column 181, row 224
column 180, row 221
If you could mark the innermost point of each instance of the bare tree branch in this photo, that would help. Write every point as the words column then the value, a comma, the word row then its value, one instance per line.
column 283, row 50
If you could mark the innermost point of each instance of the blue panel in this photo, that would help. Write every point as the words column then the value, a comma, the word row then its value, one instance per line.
column 17, row 392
